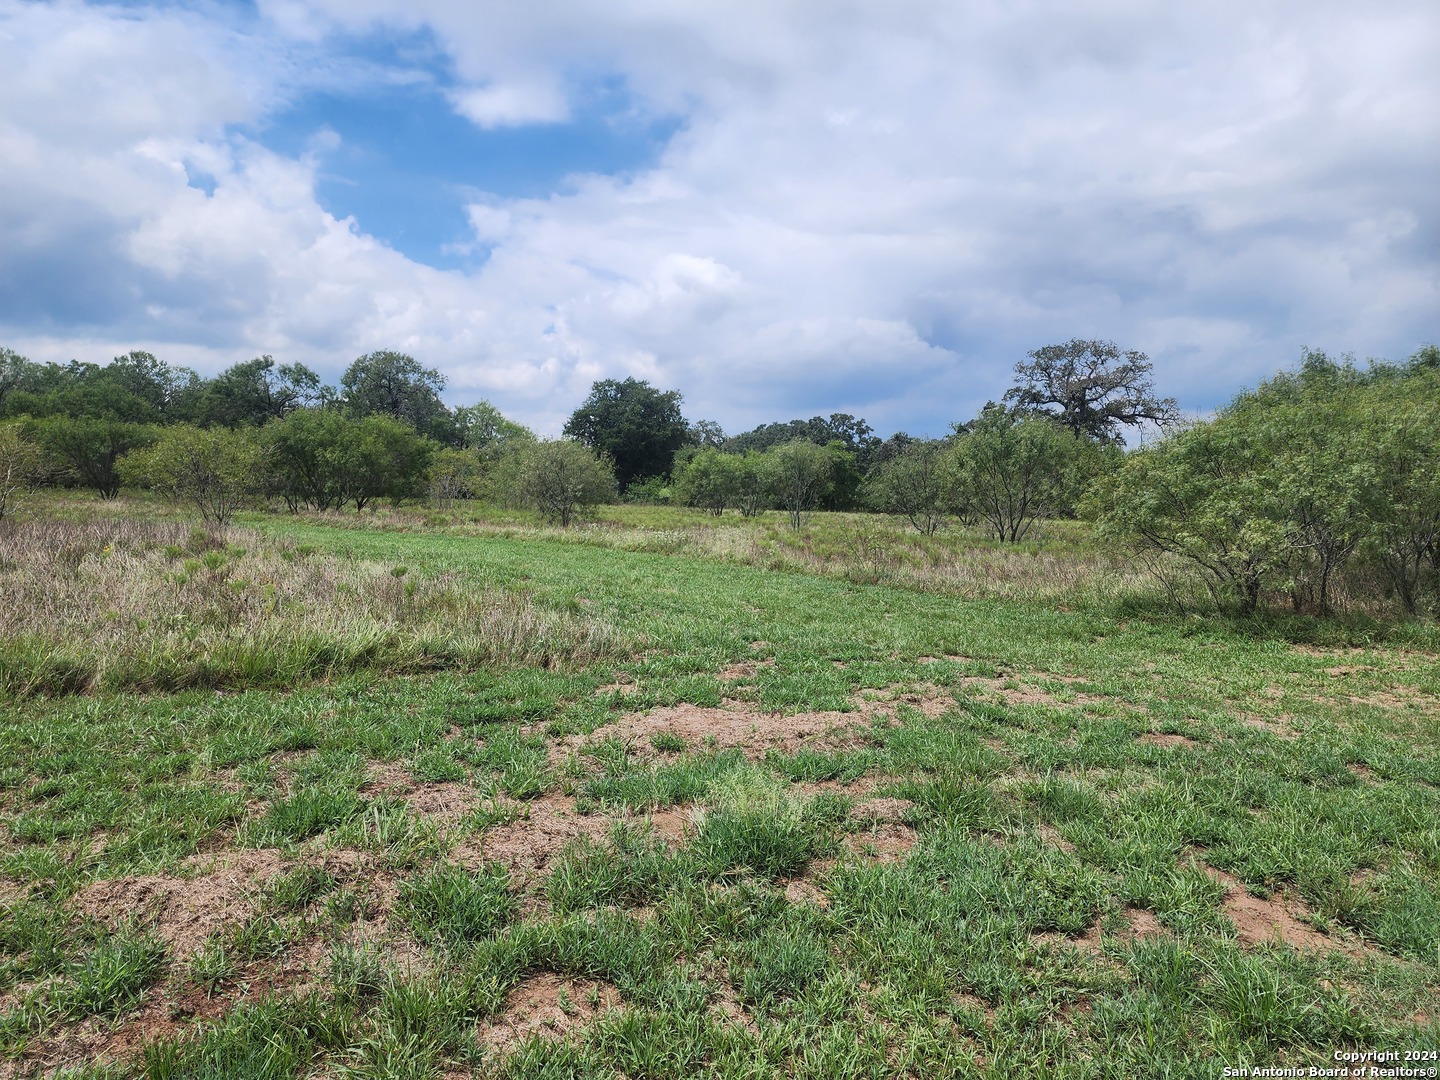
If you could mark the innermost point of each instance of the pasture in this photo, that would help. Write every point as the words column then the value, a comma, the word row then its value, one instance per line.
column 413, row 795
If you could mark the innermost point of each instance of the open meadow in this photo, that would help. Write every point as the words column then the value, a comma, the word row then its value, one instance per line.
column 412, row 794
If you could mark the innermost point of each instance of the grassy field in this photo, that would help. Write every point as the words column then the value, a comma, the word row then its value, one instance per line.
column 412, row 795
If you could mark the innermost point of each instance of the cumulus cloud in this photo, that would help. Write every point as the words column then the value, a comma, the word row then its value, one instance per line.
column 866, row 208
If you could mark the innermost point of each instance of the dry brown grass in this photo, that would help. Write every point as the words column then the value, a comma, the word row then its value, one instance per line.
column 156, row 605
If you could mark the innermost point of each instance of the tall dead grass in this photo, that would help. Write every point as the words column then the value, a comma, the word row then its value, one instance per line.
column 115, row 604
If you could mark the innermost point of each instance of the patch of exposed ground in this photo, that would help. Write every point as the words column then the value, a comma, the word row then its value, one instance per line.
column 882, row 811
column 1259, row 921
column 745, row 669
column 861, row 785
column 446, row 801
column 550, row 1006
column 184, row 911
column 1170, row 740
column 674, row 825
column 886, row 842
column 1139, row 924
column 727, row 1003
column 1278, row 726
column 749, row 729
column 1051, row 835
column 527, row 845
column 1010, row 692
column 803, row 891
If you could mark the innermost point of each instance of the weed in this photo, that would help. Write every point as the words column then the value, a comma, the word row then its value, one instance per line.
column 451, row 905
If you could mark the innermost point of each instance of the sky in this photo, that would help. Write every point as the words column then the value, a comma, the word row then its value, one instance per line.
column 781, row 208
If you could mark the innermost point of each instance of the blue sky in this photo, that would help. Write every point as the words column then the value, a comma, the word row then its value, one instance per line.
column 404, row 163
column 780, row 208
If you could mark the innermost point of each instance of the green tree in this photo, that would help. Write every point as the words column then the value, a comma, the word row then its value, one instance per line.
column 455, row 474
column 1205, row 495
column 560, row 478
column 15, row 371
column 709, row 479
column 633, row 425
column 1011, row 470
column 801, row 474
column 917, row 482
column 19, row 465
column 168, row 392
column 216, row 470
column 304, row 467
column 380, row 457
column 87, row 450
column 257, row 391
column 324, row 459
column 1403, row 534
column 482, row 427
column 394, row 384
column 1092, row 388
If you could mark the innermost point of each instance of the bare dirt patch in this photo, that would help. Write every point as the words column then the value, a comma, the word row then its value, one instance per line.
column 1259, row 921
column 527, row 845
column 803, row 891
column 1142, row 924
column 861, row 785
column 1171, row 740
column 393, row 777
column 1051, row 835
column 727, row 1003
column 673, row 825
column 1007, row 690
column 184, row 911
column 1279, row 726
column 748, row 729
column 882, row 811
column 745, row 669
column 550, row 1006
column 446, row 802
column 927, row 698
column 886, row 842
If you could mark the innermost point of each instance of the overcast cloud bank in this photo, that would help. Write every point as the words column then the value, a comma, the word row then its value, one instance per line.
column 867, row 208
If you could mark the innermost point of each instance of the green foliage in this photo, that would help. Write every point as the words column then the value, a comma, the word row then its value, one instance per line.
column 394, row 385
column 1012, row 469
column 324, row 459
column 1295, row 482
column 454, row 474
column 254, row 392
column 89, row 450
column 709, row 479
column 1091, row 388
column 560, row 478
column 917, row 482
column 801, row 474
column 216, row 470
column 635, row 426
column 19, row 465
column 483, row 428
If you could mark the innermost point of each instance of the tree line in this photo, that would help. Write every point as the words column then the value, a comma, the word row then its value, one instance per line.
column 1316, row 480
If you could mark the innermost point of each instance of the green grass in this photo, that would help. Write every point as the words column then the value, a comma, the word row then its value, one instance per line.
column 751, row 913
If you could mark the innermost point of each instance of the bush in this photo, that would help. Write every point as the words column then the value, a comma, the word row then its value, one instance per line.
column 216, row 469
column 560, row 478
column 19, row 463
column 1012, row 469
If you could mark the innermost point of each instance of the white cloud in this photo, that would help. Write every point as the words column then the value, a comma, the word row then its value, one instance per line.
column 869, row 208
